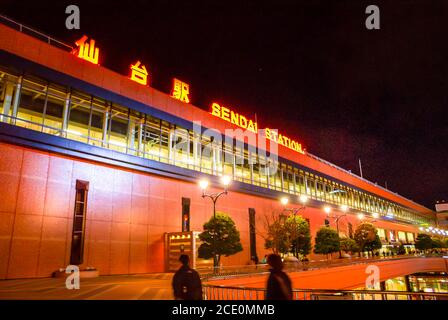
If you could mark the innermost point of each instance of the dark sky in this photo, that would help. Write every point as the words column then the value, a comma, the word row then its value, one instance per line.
column 309, row 68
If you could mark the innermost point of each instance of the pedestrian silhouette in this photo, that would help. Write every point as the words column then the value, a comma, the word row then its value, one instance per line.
column 186, row 281
column 279, row 284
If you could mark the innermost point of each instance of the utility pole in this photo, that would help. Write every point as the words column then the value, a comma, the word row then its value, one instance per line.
column 360, row 167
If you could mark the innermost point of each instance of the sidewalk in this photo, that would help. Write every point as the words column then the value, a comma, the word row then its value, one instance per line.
column 128, row 287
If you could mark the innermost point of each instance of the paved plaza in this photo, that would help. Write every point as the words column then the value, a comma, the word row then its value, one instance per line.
column 128, row 287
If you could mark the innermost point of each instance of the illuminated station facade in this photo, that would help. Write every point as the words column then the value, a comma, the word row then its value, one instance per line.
column 91, row 175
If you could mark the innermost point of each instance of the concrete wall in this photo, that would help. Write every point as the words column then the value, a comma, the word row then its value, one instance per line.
column 128, row 213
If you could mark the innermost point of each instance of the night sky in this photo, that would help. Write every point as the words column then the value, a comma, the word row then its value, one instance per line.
column 309, row 68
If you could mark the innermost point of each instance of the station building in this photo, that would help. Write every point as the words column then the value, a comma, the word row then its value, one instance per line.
column 89, row 173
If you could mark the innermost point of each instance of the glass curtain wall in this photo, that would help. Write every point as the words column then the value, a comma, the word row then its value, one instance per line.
column 36, row 104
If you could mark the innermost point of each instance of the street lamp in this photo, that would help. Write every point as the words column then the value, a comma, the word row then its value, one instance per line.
column 303, row 198
column 203, row 184
column 362, row 216
column 336, row 218
column 284, row 201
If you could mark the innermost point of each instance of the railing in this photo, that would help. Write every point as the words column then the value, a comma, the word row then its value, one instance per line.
column 217, row 292
column 32, row 32
column 225, row 272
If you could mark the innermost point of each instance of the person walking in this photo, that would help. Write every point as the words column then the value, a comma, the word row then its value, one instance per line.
column 279, row 285
column 186, row 281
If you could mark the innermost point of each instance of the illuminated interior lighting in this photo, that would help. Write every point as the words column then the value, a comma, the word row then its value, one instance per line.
column 77, row 133
column 117, row 143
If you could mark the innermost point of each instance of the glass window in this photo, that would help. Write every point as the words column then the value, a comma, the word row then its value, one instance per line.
column 118, row 129
column 8, row 92
column 206, row 154
column 31, row 108
column 263, row 171
column 151, row 138
column 218, row 161
column 53, row 109
column 247, row 171
column 239, row 162
column 180, row 146
column 135, row 134
column 98, row 120
column 228, row 160
column 402, row 236
column 79, row 116
column 164, row 143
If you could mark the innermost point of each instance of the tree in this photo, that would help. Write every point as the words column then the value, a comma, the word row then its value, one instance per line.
column 227, row 241
column 327, row 241
column 298, row 230
column 437, row 243
column 423, row 242
column 365, row 234
column 374, row 245
column 349, row 245
column 277, row 238
column 401, row 249
column 288, row 235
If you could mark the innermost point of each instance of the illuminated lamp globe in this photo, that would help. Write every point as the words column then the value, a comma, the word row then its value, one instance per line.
column 360, row 216
column 203, row 184
column 303, row 198
column 344, row 208
column 284, row 201
column 375, row 215
column 327, row 209
column 226, row 180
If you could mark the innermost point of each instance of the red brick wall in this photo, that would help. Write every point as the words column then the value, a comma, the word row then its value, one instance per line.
column 128, row 213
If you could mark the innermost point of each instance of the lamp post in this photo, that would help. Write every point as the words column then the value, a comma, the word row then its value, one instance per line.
column 203, row 184
column 336, row 219
column 284, row 201
column 362, row 216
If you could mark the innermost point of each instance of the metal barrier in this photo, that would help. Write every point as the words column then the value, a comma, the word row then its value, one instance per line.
column 217, row 292
column 32, row 32
column 248, row 270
